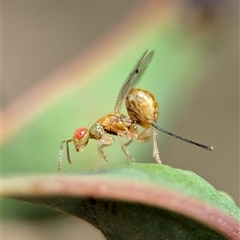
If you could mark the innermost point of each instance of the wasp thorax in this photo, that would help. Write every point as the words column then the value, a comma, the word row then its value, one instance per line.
column 142, row 106
column 96, row 131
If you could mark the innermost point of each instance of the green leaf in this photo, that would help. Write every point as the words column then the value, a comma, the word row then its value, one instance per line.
column 135, row 201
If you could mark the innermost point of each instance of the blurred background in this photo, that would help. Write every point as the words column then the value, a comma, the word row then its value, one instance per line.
column 63, row 63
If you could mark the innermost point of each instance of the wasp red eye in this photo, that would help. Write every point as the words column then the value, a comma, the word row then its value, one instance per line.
column 80, row 133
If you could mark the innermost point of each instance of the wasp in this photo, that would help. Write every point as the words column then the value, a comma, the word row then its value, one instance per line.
column 142, row 109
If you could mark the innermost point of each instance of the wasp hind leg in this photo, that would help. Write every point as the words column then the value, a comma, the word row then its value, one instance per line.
column 145, row 136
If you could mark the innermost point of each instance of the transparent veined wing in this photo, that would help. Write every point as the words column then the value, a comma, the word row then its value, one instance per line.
column 134, row 76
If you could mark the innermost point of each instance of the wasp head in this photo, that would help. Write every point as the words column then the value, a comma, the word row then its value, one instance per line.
column 80, row 138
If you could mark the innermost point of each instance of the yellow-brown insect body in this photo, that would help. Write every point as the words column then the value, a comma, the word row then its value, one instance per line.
column 142, row 107
column 113, row 123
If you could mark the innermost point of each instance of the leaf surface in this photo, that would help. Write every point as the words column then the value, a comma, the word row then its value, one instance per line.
column 136, row 201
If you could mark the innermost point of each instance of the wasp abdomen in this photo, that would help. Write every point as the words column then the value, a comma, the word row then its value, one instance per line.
column 142, row 107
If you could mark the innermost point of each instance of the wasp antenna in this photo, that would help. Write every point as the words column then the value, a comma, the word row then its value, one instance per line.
column 68, row 153
column 182, row 138
column 60, row 153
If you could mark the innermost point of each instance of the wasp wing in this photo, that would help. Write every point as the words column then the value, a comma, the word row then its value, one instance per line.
column 134, row 76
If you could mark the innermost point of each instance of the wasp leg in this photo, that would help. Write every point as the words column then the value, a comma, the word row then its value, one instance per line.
column 132, row 132
column 105, row 141
column 126, row 135
column 128, row 142
column 145, row 136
